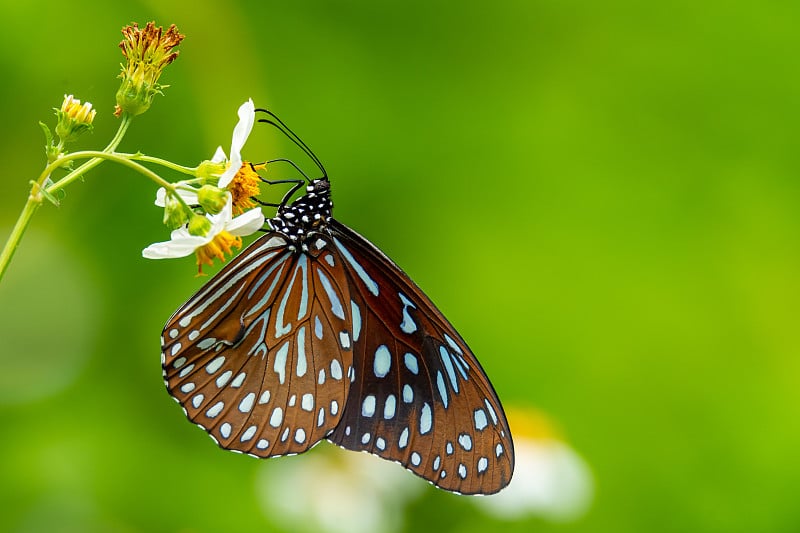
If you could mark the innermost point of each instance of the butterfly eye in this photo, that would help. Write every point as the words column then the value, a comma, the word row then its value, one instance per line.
column 313, row 333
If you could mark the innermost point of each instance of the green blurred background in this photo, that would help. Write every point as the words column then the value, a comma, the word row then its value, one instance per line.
column 602, row 197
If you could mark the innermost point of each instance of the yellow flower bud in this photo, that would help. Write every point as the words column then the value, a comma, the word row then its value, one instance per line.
column 74, row 118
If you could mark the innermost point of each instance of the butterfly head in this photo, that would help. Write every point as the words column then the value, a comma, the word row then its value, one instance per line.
column 306, row 214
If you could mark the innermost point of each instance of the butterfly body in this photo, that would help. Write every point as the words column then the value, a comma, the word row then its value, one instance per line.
column 313, row 333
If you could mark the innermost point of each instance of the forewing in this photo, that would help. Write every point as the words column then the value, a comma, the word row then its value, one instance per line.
column 419, row 397
column 255, row 357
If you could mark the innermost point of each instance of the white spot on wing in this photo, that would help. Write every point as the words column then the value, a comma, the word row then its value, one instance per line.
column 336, row 370
column 307, row 403
column 247, row 403
column 249, row 433
column 214, row 365
column 197, row 401
column 215, row 409
column 223, row 378
column 238, row 380
column 276, row 418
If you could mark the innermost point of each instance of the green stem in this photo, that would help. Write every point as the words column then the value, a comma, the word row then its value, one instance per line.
column 99, row 156
column 164, row 163
column 17, row 232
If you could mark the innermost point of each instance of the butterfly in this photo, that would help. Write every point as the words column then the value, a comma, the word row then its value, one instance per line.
column 313, row 333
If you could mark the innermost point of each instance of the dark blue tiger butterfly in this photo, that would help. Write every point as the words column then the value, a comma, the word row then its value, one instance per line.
column 313, row 333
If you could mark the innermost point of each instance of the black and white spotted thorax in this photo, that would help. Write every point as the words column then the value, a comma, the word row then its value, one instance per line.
column 306, row 215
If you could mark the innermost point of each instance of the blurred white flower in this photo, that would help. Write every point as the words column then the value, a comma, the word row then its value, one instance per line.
column 336, row 492
column 550, row 479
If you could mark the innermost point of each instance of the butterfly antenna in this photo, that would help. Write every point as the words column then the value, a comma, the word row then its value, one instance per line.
column 292, row 136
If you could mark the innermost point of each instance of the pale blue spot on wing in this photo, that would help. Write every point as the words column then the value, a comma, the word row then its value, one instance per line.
column 408, row 325
column 368, row 406
column 448, row 365
column 491, row 411
column 356, row 313
column 425, row 419
column 368, row 281
column 336, row 305
column 318, row 327
column 408, row 394
column 383, row 361
column 403, row 441
column 389, row 407
column 280, row 362
column 442, row 389
column 453, row 344
column 480, row 420
column 460, row 365
column 302, row 364
column 411, row 363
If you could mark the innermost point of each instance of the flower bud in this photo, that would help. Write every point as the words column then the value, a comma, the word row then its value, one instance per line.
column 212, row 199
column 210, row 171
column 199, row 226
column 74, row 119
column 174, row 213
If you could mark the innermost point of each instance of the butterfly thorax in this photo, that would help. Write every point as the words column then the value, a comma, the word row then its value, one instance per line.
column 307, row 214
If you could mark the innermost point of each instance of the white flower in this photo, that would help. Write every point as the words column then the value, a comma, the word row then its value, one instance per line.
column 182, row 243
column 241, row 132
column 550, row 481
column 336, row 492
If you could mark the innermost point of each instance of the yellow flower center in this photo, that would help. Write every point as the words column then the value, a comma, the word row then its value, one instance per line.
column 222, row 243
column 244, row 186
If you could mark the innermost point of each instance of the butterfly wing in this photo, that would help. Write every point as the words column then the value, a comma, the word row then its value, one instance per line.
column 260, row 356
column 420, row 396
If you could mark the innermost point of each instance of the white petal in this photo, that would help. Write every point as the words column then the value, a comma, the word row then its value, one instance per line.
column 161, row 197
column 242, row 130
column 221, row 220
column 189, row 196
column 247, row 223
column 230, row 172
column 219, row 155
column 247, row 116
column 170, row 249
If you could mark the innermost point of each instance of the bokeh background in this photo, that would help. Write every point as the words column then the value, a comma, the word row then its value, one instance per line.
column 602, row 196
